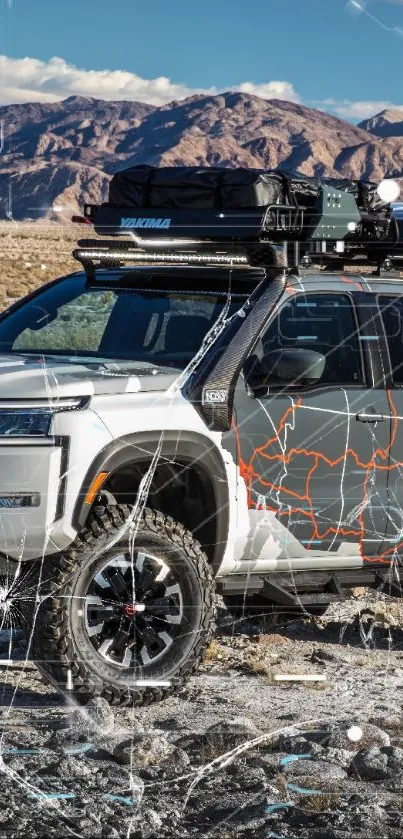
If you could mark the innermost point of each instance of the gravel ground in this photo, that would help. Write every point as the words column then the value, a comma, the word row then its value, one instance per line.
column 239, row 752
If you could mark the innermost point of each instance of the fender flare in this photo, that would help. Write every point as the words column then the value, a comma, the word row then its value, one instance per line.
column 183, row 447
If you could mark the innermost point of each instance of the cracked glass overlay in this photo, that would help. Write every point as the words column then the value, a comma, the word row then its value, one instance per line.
column 232, row 752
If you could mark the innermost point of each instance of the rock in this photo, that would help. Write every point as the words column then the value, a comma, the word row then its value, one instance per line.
column 391, row 723
column 151, row 824
column 110, row 832
column 394, row 783
column 175, row 764
column 316, row 751
column 269, row 640
column 316, row 769
column 268, row 761
column 341, row 757
column 169, row 724
column 371, row 736
column 289, row 715
column 64, row 738
column 95, row 716
column 303, row 746
column 224, row 618
column 69, row 767
column 229, row 805
column 109, row 774
column 395, row 758
column 143, row 751
column 321, row 656
column 370, row 764
column 227, row 734
column 246, row 777
column 294, row 742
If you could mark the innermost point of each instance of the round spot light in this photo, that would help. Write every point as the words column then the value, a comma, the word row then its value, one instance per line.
column 388, row 190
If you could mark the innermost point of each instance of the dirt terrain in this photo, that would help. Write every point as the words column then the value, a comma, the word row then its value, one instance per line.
column 33, row 254
column 238, row 752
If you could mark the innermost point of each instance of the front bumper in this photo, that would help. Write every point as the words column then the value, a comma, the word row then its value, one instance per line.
column 52, row 469
column 30, row 470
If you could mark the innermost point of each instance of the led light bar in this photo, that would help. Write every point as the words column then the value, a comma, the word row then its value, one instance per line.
column 135, row 256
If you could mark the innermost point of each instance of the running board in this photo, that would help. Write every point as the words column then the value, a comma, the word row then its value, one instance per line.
column 311, row 589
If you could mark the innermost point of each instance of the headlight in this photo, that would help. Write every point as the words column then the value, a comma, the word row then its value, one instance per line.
column 25, row 423
column 25, row 418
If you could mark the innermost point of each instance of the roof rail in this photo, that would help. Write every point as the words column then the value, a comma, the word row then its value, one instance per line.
column 291, row 256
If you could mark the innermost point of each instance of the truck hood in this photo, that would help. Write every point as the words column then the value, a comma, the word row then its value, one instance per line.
column 37, row 377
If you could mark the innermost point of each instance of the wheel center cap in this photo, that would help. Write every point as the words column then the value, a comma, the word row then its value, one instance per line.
column 130, row 610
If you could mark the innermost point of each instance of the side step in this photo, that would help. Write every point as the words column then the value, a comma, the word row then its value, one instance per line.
column 311, row 590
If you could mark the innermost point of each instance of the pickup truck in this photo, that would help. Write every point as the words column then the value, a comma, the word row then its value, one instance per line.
column 162, row 437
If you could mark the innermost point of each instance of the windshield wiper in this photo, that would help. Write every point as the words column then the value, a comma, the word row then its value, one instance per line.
column 111, row 367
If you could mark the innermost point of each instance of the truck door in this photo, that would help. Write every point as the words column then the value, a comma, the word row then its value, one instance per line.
column 313, row 458
column 391, row 307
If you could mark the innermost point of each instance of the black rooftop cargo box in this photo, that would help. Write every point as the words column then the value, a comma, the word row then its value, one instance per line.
column 208, row 188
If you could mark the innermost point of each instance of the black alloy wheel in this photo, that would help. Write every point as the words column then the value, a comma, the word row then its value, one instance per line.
column 127, row 617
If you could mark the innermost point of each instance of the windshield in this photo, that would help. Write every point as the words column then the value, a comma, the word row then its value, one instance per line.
column 73, row 319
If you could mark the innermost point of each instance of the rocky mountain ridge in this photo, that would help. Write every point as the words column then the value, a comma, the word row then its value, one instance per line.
column 56, row 156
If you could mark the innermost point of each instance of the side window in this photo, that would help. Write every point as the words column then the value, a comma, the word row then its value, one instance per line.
column 392, row 315
column 322, row 322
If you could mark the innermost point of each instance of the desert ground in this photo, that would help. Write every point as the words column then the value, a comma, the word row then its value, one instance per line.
column 292, row 728
column 32, row 254
column 239, row 752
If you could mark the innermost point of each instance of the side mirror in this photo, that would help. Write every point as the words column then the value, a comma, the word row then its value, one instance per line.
column 295, row 366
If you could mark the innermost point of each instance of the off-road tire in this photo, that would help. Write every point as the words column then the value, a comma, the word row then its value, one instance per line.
column 63, row 661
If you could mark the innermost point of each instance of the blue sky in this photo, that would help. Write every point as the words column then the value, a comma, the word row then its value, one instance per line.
column 346, row 58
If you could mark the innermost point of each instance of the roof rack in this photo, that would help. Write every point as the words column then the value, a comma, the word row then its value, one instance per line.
column 330, row 230
column 290, row 256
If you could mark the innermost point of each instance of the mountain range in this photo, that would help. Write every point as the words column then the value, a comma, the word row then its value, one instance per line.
column 56, row 156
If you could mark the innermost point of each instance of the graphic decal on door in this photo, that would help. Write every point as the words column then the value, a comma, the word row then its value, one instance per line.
column 293, row 475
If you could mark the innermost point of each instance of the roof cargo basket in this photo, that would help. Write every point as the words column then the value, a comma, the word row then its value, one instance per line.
column 203, row 215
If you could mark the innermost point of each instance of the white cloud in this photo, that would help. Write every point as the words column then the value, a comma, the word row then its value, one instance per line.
column 32, row 80
column 269, row 90
column 29, row 79
column 346, row 109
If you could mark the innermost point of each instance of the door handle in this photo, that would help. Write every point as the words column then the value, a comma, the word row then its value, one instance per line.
column 370, row 415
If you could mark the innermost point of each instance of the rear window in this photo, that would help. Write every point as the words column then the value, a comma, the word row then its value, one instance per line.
column 71, row 318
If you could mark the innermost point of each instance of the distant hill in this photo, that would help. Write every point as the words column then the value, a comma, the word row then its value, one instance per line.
column 388, row 123
column 62, row 154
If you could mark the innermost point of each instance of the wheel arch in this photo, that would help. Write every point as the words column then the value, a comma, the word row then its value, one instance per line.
column 184, row 455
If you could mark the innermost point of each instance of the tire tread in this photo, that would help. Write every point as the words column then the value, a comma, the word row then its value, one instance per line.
column 51, row 632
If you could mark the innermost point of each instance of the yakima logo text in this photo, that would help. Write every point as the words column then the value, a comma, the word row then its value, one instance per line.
column 160, row 223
